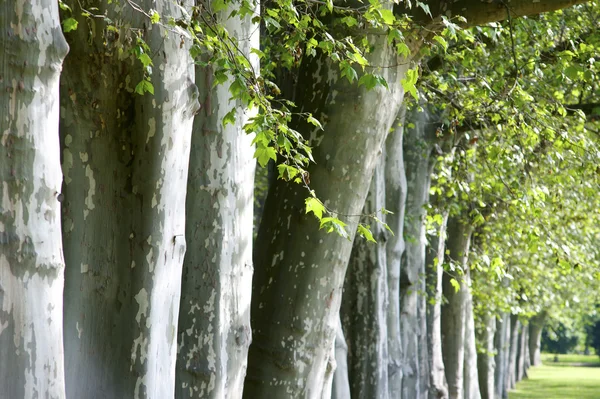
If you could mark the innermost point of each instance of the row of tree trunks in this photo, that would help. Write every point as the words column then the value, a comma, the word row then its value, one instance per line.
column 31, row 253
column 214, row 317
column 470, row 373
column 125, row 162
column 297, row 292
column 365, row 302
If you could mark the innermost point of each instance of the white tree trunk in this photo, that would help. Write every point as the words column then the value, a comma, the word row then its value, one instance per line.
column 438, row 387
column 214, row 320
column 341, row 386
column 511, row 376
column 502, row 345
column 31, row 257
column 364, row 304
column 471, row 376
column 395, row 201
column 453, row 319
column 125, row 160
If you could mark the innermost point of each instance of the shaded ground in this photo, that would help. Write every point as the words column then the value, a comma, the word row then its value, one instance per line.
column 572, row 377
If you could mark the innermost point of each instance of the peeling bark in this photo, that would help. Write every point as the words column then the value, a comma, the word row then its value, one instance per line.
column 502, row 345
column 31, row 256
column 453, row 312
column 522, row 352
column 125, row 160
column 341, row 385
column 419, row 143
column 296, row 291
column 395, row 201
column 364, row 304
column 214, row 319
column 438, row 387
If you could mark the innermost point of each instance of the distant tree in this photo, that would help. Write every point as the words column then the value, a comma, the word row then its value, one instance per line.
column 558, row 339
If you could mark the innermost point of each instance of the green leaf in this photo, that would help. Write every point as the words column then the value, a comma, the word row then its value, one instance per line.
column 330, row 5
column 455, row 284
column 388, row 16
column 315, row 206
column 365, row 232
column 409, row 81
column 334, row 224
column 145, row 59
column 264, row 154
column 154, row 16
column 69, row 24
column 143, row 87
column 314, row 121
column 229, row 118
column 442, row 42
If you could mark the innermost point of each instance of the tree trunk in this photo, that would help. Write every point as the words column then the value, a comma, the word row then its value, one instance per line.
column 502, row 345
column 521, row 355
column 515, row 324
column 341, row 385
column 296, row 291
column 418, row 146
column 485, row 359
column 453, row 312
column 125, row 160
column 214, row 317
column 471, row 377
column 31, row 256
column 364, row 304
column 395, row 201
column 536, row 325
column 438, row 388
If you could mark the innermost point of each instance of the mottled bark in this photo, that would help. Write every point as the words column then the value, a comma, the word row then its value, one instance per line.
column 470, row 372
column 511, row 374
column 125, row 161
column 438, row 388
column 395, row 201
column 364, row 304
column 31, row 256
column 486, row 365
column 341, row 386
column 419, row 142
column 536, row 325
column 299, row 271
column 502, row 345
column 214, row 319
column 453, row 311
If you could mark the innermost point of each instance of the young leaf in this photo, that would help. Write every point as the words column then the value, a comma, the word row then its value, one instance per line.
column 365, row 232
column 315, row 206
column 455, row 284
column 69, row 24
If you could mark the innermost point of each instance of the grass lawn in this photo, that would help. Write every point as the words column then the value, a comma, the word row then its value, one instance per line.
column 561, row 380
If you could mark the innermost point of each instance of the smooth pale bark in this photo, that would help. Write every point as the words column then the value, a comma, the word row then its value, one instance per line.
column 502, row 345
column 214, row 319
column 364, row 304
column 536, row 325
column 125, row 161
column 522, row 353
column 453, row 317
column 470, row 372
column 341, row 386
column 31, row 257
column 511, row 376
column 438, row 387
column 486, row 365
column 395, row 201
column 299, row 270
column 419, row 142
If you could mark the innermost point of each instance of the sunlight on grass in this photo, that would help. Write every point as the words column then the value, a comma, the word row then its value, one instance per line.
column 561, row 381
